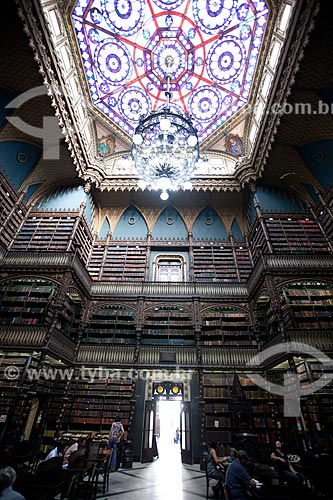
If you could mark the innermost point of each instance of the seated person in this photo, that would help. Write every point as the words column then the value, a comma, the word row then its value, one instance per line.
column 238, row 479
column 56, row 452
column 213, row 469
column 75, row 446
column 283, row 466
column 7, row 479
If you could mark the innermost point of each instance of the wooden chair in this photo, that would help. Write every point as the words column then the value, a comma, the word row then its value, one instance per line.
column 85, row 489
column 208, row 479
column 102, row 475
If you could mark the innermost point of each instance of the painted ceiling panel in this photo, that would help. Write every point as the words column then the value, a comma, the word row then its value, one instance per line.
column 209, row 47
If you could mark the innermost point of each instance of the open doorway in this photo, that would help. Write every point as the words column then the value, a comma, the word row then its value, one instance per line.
column 168, row 429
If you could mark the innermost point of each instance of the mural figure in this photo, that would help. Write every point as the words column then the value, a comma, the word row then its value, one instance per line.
column 106, row 146
column 234, row 145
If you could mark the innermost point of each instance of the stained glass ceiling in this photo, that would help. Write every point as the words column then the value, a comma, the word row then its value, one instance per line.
column 211, row 47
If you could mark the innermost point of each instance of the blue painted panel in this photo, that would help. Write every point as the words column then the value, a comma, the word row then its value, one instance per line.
column 70, row 198
column 5, row 98
column 208, row 225
column 17, row 159
column 318, row 156
column 104, row 229
column 236, row 232
column 170, row 225
column 31, row 189
column 311, row 191
column 270, row 199
column 131, row 225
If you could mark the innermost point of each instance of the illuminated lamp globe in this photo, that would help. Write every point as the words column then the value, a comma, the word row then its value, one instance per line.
column 165, row 124
column 192, row 141
column 164, row 196
column 137, row 139
column 163, row 183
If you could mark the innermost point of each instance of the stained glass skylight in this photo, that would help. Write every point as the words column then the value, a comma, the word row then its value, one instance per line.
column 211, row 45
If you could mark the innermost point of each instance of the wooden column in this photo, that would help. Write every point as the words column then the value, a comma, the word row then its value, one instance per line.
column 231, row 239
column 108, row 238
column 191, row 257
column 149, row 236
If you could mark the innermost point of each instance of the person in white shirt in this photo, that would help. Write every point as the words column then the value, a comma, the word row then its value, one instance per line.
column 56, row 452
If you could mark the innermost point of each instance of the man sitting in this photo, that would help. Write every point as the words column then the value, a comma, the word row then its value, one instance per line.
column 56, row 452
column 238, row 479
column 284, row 468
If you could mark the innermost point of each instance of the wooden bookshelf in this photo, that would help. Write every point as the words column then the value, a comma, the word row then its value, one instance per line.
column 123, row 261
column 214, row 262
column 45, row 231
column 111, row 325
column 225, row 326
column 94, row 404
column 216, row 417
column 26, row 301
column 168, row 325
column 295, row 233
column 10, row 220
column 308, row 305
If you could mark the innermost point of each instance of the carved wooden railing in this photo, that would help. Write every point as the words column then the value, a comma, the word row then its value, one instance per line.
column 106, row 353
column 185, row 356
column 165, row 289
column 227, row 358
column 61, row 345
column 23, row 335
column 210, row 289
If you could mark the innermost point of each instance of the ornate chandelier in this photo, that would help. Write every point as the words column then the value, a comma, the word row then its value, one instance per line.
column 165, row 147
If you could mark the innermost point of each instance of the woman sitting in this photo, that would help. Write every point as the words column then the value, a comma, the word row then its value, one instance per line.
column 214, row 468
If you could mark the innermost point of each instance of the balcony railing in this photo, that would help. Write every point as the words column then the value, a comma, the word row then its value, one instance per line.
column 277, row 263
column 22, row 335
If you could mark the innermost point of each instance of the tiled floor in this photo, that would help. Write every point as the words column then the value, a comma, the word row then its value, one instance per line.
column 164, row 479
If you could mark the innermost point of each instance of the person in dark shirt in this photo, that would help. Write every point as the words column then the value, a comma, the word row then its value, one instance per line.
column 214, row 470
column 283, row 466
column 238, row 479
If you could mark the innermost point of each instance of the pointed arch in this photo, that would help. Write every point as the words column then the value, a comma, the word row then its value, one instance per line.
column 318, row 157
column 131, row 225
column 104, row 229
column 208, row 225
column 236, row 232
column 170, row 224
column 18, row 160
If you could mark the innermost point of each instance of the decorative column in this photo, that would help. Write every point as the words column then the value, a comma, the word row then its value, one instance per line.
column 20, row 226
column 324, row 204
column 246, row 239
column 108, row 238
column 275, row 304
column 263, row 226
column 256, row 205
column 78, row 219
column 14, row 207
column 149, row 237
column 191, row 257
column 315, row 218
column 231, row 239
